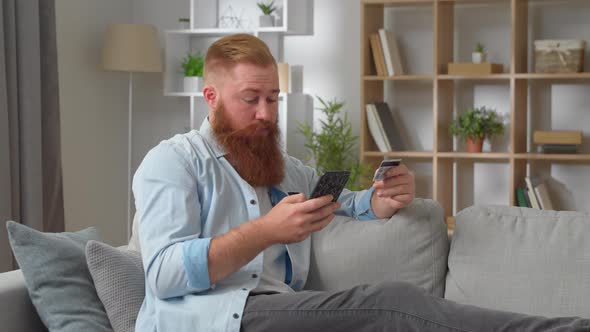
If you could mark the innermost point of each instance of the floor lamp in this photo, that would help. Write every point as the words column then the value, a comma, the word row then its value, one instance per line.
column 131, row 48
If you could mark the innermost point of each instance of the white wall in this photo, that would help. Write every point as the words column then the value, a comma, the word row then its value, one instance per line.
column 93, row 118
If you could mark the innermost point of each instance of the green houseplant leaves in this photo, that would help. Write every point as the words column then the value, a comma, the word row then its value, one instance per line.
column 477, row 123
column 193, row 65
column 333, row 147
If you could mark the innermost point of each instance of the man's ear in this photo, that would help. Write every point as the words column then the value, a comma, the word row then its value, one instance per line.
column 211, row 96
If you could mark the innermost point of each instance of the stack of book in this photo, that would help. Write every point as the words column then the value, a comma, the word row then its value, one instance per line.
column 534, row 194
column 385, row 130
column 557, row 141
column 385, row 53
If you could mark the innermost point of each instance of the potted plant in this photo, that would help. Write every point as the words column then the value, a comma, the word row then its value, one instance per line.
column 334, row 146
column 266, row 19
column 475, row 125
column 184, row 23
column 479, row 53
column 192, row 65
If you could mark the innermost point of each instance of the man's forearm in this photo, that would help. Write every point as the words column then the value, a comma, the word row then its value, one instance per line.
column 234, row 249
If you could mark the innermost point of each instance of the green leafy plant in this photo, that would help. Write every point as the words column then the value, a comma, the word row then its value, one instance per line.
column 480, row 48
column 333, row 147
column 193, row 65
column 477, row 123
column 267, row 8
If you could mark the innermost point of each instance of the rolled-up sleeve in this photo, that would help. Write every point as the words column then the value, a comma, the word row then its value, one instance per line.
column 175, row 256
column 195, row 258
column 356, row 204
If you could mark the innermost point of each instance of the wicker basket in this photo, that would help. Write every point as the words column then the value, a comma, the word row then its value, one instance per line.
column 559, row 56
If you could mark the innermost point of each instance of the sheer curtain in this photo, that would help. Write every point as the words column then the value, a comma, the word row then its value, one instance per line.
column 30, row 158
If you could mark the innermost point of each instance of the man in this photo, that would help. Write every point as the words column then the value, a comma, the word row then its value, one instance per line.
column 224, row 248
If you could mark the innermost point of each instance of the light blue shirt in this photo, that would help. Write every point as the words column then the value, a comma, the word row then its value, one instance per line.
column 186, row 192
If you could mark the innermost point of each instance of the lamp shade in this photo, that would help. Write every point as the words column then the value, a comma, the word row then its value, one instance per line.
column 131, row 48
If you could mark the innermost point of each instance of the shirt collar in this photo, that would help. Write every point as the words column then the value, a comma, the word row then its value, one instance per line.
column 207, row 132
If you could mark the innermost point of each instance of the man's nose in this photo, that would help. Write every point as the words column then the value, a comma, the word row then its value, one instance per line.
column 265, row 111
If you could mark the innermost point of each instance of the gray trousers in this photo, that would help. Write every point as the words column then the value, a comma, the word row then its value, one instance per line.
column 388, row 306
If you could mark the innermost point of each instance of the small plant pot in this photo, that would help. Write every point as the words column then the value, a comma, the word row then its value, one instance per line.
column 474, row 144
column 266, row 21
column 478, row 57
column 193, row 84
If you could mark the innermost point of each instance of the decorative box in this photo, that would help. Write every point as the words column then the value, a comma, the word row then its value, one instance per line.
column 559, row 56
column 469, row 68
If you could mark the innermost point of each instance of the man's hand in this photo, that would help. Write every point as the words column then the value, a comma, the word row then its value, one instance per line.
column 394, row 192
column 295, row 218
column 292, row 220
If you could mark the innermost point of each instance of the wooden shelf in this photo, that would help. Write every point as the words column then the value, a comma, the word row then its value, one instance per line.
column 475, row 77
column 399, row 78
column 560, row 76
column 399, row 2
column 512, row 26
column 579, row 157
column 482, row 155
column 400, row 154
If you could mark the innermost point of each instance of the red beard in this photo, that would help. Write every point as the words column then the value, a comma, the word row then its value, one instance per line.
column 257, row 158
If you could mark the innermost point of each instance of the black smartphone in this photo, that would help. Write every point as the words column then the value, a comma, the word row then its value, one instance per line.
column 331, row 183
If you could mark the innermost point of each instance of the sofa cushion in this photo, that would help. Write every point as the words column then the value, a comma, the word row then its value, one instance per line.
column 57, row 278
column 17, row 312
column 411, row 246
column 521, row 259
column 119, row 279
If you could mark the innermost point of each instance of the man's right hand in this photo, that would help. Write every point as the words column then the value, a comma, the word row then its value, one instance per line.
column 296, row 217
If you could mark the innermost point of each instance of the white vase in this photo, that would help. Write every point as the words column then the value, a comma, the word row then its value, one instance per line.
column 478, row 57
column 193, row 84
column 266, row 21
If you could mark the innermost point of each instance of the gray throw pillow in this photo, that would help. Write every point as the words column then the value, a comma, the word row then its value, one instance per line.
column 119, row 279
column 57, row 278
column 411, row 246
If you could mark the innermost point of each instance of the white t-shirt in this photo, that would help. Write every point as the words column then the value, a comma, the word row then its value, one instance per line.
column 272, row 278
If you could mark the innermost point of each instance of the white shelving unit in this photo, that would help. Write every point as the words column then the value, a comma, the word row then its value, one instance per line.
column 296, row 19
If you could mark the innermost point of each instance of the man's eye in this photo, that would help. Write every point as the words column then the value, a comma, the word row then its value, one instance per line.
column 251, row 100
column 271, row 100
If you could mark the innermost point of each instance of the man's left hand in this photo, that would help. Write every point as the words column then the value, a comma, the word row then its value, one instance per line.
column 394, row 192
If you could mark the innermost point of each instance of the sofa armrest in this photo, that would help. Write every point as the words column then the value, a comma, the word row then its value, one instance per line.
column 17, row 313
column 412, row 246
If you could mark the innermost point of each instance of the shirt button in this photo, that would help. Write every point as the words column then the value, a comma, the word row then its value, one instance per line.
column 236, row 316
column 253, row 202
column 254, row 275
